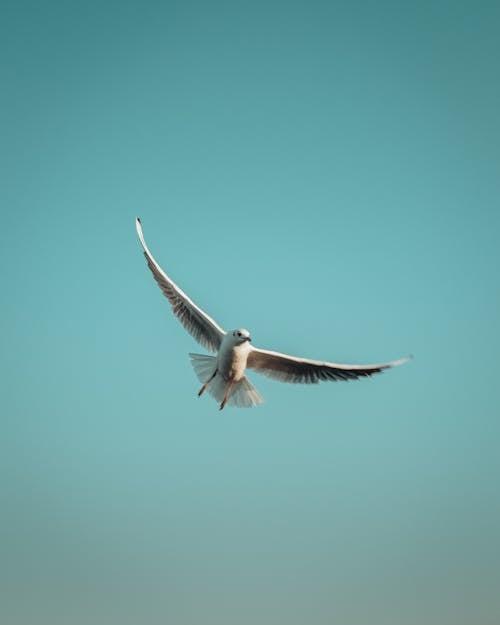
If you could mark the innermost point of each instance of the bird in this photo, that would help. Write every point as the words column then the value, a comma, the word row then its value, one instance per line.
column 224, row 375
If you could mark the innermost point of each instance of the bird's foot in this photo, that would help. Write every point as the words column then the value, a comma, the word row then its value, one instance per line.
column 202, row 389
column 226, row 396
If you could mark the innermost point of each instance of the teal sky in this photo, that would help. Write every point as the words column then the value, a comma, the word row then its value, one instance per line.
column 324, row 174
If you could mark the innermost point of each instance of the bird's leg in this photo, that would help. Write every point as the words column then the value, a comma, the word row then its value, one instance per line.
column 203, row 388
column 226, row 396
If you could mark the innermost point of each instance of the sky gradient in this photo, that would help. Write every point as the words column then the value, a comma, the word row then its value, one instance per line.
column 323, row 174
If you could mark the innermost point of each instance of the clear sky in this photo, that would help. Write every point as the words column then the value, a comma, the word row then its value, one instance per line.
column 324, row 174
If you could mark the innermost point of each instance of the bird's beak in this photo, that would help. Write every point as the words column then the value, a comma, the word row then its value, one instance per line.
column 248, row 339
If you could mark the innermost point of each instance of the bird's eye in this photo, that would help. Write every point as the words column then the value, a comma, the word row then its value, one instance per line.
column 239, row 333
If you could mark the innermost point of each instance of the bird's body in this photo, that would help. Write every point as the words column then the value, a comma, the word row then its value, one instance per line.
column 232, row 357
column 223, row 375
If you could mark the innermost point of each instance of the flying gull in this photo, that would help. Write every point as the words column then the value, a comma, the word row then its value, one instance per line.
column 223, row 375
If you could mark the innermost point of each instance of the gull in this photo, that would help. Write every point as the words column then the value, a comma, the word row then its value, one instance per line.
column 223, row 375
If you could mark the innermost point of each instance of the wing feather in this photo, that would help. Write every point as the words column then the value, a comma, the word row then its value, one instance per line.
column 302, row 370
column 196, row 321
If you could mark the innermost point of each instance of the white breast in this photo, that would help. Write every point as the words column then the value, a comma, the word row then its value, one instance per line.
column 232, row 359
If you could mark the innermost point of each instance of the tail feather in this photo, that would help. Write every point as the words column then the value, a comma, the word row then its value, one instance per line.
column 243, row 393
column 203, row 365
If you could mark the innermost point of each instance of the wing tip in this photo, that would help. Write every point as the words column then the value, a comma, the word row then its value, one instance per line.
column 401, row 361
column 140, row 234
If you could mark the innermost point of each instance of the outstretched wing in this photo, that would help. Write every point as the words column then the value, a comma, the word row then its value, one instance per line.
column 202, row 327
column 302, row 370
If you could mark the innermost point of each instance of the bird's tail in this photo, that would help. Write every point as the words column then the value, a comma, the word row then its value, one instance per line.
column 203, row 365
column 243, row 393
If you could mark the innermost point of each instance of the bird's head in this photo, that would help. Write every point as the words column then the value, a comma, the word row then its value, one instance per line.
column 240, row 336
